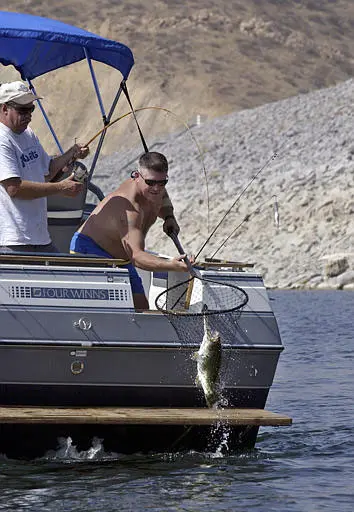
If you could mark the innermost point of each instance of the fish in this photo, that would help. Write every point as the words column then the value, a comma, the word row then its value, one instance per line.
column 208, row 360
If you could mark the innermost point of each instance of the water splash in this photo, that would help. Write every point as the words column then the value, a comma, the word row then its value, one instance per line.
column 68, row 451
column 220, row 432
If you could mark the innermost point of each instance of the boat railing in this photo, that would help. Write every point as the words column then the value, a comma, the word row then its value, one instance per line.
column 60, row 259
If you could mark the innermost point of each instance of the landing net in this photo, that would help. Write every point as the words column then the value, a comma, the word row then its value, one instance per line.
column 188, row 302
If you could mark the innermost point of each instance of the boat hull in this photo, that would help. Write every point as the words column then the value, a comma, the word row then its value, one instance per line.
column 70, row 337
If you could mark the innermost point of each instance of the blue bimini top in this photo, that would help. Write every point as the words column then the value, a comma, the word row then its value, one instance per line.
column 36, row 45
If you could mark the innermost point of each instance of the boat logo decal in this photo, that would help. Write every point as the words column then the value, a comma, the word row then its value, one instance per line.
column 83, row 323
column 78, row 353
column 36, row 292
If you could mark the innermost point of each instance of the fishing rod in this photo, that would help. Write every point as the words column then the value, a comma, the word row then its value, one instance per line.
column 273, row 157
column 247, row 217
column 132, row 112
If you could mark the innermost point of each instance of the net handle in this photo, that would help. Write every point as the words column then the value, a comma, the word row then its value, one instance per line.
column 191, row 270
column 180, row 249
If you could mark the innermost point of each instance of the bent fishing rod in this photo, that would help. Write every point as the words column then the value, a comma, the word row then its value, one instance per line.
column 161, row 109
column 273, row 157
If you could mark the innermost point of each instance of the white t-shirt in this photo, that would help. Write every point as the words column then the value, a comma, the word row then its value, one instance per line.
column 23, row 221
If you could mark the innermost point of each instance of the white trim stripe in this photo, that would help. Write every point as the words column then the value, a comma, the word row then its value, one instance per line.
column 70, row 214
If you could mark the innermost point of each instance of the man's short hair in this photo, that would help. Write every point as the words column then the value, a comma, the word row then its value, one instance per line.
column 154, row 162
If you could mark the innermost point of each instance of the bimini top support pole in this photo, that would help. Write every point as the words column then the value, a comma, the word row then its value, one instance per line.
column 95, row 84
column 46, row 118
column 102, row 137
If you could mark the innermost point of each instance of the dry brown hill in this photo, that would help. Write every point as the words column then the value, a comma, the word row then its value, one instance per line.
column 207, row 57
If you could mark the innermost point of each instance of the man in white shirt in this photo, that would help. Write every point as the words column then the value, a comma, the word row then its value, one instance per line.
column 26, row 172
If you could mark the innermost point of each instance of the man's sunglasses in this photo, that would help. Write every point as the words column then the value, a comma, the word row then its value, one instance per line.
column 21, row 110
column 152, row 183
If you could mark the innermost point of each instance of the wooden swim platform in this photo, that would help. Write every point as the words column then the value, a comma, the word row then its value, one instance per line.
column 140, row 416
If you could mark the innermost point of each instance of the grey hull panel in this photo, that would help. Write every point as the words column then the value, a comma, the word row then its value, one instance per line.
column 43, row 325
column 130, row 366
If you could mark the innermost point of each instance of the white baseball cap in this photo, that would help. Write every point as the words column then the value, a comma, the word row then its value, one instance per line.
column 18, row 92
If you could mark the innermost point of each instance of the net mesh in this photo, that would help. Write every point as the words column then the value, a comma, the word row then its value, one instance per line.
column 187, row 302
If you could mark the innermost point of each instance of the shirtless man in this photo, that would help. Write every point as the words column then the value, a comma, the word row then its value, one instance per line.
column 117, row 227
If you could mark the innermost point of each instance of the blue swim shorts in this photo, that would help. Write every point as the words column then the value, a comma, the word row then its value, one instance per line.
column 82, row 244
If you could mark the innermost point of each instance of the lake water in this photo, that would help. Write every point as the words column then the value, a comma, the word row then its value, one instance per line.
column 306, row 467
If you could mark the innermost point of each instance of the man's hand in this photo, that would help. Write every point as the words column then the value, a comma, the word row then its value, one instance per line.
column 79, row 151
column 179, row 265
column 65, row 161
column 69, row 187
column 170, row 225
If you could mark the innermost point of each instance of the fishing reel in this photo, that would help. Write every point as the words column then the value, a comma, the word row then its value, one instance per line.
column 80, row 172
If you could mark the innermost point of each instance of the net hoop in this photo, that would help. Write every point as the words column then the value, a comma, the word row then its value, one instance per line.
column 207, row 312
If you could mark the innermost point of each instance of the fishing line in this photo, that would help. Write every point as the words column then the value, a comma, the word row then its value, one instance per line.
column 188, row 130
column 276, row 210
column 273, row 157
column 247, row 217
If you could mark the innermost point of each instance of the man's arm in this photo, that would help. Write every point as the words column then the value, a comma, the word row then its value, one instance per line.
column 166, row 213
column 78, row 151
column 133, row 242
column 23, row 189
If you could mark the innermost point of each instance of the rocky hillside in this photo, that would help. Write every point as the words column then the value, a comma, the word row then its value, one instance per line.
column 300, row 150
column 201, row 57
